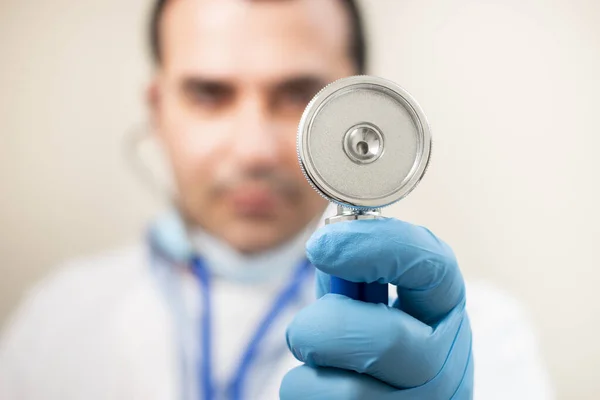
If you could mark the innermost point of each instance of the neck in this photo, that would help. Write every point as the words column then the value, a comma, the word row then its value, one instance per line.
column 272, row 264
column 179, row 241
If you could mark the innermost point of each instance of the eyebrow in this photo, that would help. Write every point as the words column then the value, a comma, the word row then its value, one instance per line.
column 309, row 81
column 306, row 82
column 195, row 82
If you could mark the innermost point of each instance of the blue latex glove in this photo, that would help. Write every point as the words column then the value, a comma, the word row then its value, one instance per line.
column 419, row 348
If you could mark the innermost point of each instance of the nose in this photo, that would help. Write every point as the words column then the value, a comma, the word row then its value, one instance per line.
column 256, row 144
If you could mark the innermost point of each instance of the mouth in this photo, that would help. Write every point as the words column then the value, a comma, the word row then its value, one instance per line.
column 254, row 201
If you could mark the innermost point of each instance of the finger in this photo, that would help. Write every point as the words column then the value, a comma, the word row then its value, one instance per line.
column 372, row 339
column 391, row 251
column 310, row 383
column 307, row 383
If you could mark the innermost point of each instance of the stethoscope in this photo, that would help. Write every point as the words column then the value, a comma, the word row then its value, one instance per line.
column 204, row 365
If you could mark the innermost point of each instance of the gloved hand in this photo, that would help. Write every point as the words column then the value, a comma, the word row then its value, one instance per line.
column 417, row 349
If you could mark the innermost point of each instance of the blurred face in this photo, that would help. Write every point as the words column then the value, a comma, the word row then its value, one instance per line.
column 235, row 78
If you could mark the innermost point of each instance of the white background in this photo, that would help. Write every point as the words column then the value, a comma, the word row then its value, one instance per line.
column 511, row 89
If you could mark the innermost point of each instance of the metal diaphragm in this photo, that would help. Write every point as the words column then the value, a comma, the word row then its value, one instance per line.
column 363, row 142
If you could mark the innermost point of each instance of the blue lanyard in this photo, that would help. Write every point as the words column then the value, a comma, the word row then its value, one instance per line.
column 284, row 298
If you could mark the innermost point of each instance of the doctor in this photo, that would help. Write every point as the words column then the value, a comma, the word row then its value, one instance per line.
column 218, row 301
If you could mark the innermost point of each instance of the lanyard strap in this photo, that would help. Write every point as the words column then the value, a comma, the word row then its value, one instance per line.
column 206, row 319
column 283, row 300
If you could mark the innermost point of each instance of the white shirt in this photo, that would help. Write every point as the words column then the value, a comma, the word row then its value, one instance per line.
column 107, row 328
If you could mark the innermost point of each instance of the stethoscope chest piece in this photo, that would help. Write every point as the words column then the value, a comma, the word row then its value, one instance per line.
column 363, row 143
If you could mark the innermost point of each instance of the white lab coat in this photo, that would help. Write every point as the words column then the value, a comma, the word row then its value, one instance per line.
column 104, row 328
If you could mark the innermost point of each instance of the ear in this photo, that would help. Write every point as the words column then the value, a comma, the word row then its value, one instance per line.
column 153, row 101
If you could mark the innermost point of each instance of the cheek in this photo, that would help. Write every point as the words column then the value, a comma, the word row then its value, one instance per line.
column 195, row 146
column 311, row 201
column 293, row 167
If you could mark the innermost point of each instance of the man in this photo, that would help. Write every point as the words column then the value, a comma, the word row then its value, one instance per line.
column 200, row 311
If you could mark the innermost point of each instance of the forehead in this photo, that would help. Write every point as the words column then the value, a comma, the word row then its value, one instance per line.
column 254, row 38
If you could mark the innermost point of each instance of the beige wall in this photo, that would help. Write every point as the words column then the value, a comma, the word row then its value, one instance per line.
column 511, row 89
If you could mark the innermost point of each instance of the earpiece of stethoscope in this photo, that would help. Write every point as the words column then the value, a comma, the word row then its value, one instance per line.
column 364, row 144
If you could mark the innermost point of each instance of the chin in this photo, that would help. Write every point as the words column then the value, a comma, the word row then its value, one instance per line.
column 251, row 236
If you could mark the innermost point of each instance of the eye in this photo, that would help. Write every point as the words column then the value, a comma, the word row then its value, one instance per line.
column 294, row 96
column 298, row 96
column 208, row 94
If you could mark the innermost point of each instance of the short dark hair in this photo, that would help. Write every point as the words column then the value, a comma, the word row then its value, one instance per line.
column 358, row 50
